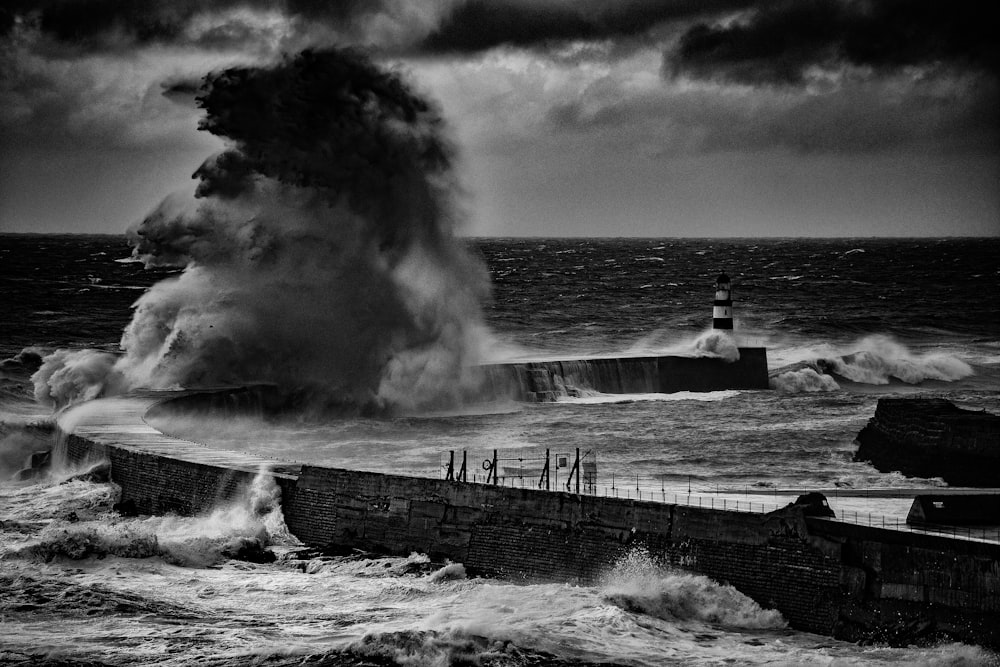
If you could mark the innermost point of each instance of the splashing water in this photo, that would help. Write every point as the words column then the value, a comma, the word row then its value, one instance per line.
column 637, row 583
column 319, row 252
column 872, row 360
column 252, row 520
column 803, row 380
column 709, row 343
column 878, row 359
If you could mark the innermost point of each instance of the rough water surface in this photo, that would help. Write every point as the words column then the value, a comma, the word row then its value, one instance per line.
column 845, row 322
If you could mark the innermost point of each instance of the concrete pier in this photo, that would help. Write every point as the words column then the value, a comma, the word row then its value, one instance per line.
column 823, row 575
column 546, row 380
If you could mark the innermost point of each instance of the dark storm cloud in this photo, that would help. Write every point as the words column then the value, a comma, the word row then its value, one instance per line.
column 90, row 20
column 779, row 41
column 78, row 73
column 104, row 24
column 859, row 115
column 452, row 26
column 478, row 25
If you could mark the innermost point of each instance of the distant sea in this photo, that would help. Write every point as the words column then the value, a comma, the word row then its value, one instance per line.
column 845, row 321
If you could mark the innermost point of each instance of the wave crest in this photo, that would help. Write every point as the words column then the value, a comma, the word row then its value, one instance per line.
column 639, row 584
column 873, row 360
column 241, row 529
column 67, row 377
column 880, row 359
column 803, row 380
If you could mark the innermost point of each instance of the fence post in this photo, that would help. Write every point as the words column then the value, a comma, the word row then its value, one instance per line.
column 545, row 472
column 492, row 469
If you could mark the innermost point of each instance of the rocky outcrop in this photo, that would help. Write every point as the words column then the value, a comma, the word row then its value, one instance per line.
column 923, row 437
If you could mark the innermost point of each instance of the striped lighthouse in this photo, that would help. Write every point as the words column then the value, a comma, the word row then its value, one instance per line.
column 722, row 308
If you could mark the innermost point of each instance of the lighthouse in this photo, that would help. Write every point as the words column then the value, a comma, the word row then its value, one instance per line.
column 722, row 308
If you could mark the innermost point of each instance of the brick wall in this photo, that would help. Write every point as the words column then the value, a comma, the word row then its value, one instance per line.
column 537, row 535
column 161, row 485
column 893, row 581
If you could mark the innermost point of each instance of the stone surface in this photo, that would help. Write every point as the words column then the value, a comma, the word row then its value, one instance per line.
column 823, row 575
column 924, row 437
column 543, row 381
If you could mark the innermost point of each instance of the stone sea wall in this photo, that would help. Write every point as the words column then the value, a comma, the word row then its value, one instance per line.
column 541, row 381
column 824, row 576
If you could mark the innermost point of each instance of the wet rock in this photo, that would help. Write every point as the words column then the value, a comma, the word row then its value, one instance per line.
column 126, row 508
column 99, row 474
column 250, row 550
column 36, row 465
column 931, row 437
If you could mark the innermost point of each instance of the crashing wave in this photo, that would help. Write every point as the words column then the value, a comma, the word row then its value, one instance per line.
column 320, row 252
column 637, row 583
column 874, row 360
column 242, row 529
column 881, row 359
column 803, row 380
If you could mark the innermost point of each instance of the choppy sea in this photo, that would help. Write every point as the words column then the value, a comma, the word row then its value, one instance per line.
column 82, row 585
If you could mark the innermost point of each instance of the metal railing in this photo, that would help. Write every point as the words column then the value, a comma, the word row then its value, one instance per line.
column 973, row 533
column 636, row 488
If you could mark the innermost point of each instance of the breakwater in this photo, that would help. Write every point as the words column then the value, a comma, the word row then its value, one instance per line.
column 925, row 437
column 542, row 381
column 825, row 576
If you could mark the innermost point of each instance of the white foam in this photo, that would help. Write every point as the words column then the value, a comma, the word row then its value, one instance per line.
column 632, row 398
column 803, row 380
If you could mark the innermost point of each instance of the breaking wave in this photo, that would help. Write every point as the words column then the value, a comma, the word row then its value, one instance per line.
column 82, row 524
column 320, row 252
column 880, row 359
column 637, row 583
column 803, row 380
column 873, row 360
column 714, row 343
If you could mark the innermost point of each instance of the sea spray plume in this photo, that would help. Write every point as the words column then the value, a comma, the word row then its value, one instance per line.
column 713, row 343
column 71, row 376
column 880, row 358
column 242, row 527
column 717, row 344
column 875, row 359
column 641, row 584
column 803, row 379
column 320, row 251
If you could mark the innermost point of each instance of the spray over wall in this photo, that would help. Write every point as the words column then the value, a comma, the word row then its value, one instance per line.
column 319, row 252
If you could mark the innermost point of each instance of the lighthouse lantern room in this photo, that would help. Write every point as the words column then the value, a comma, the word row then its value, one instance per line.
column 722, row 309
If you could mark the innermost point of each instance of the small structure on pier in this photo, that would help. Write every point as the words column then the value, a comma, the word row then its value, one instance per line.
column 722, row 307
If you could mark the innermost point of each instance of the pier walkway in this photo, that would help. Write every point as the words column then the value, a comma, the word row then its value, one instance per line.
column 120, row 422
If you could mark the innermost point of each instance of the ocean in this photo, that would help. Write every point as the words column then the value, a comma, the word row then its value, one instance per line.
column 845, row 322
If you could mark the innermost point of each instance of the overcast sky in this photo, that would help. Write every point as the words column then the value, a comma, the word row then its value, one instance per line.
column 572, row 117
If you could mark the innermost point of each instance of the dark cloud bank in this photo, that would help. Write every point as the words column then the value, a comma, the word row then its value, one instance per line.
column 780, row 40
column 743, row 39
column 945, row 49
